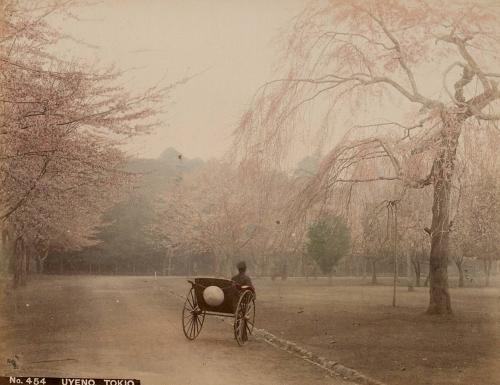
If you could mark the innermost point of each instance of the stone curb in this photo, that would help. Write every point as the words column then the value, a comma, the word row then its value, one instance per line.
column 333, row 367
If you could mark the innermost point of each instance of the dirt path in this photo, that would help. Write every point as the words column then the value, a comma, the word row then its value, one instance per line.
column 129, row 327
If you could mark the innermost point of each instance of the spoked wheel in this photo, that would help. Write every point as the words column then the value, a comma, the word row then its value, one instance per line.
column 192, row 316
column 244, row 317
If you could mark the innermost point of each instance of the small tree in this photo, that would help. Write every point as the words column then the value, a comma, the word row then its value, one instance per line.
column 329, row 240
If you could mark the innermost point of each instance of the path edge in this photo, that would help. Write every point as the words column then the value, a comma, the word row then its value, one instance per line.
column 333, row 367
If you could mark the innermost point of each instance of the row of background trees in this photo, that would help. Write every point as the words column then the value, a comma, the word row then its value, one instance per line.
column 192, row 217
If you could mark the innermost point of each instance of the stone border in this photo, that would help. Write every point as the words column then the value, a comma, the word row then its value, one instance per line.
column 333, row 368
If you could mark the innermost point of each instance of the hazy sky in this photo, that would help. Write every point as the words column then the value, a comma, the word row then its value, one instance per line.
column 231, row 40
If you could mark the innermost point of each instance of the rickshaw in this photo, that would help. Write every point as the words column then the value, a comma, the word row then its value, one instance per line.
column 238, row 303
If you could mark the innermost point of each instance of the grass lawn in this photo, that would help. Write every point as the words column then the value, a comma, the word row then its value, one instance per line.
column 356, row 324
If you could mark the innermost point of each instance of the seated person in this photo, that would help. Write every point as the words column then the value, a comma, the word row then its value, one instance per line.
column 241, row 278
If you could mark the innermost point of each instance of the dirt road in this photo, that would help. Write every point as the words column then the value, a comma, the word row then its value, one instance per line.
column 129, row 327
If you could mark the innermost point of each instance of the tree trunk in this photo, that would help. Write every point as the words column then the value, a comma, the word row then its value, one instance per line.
column 487, row 270
column 28, row 262
column 24, row 265
column 284, row 272
column 439, row 302
column 426, row 282
column 40, row 264
column 460, row 267
column 410, row 273
column 374, row 273
column 19, row 263
column 40, row 261
column 442, row 171
column 416, row 267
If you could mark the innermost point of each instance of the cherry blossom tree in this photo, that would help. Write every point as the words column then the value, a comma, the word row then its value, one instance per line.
column 405, row 79
column 62, row 121
column 221, row 210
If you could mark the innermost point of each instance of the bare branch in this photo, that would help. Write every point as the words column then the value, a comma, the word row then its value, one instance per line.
column 460, row 43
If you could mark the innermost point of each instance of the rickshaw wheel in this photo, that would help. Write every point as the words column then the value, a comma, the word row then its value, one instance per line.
column 192, row 316
column 244, row 317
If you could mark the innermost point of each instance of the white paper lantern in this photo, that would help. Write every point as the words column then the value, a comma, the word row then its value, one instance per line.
column 213, row 295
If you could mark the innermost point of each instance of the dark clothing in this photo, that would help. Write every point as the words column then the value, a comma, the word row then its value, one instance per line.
column 242, row 279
